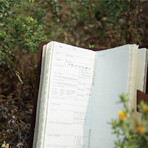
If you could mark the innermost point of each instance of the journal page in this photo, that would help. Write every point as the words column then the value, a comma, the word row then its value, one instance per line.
column 141, row 73
column 69, row 90
column 39, row 97
column 112, row 74
column 42, row 97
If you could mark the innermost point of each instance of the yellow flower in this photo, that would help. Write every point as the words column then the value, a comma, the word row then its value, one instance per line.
column 140, row 129
column 121, row 115
column 145, row 108
column 4, row 145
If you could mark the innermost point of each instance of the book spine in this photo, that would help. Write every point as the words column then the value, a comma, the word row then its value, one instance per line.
column 44, row 97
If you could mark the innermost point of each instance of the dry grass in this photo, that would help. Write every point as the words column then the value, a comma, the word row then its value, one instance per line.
column 17, row 87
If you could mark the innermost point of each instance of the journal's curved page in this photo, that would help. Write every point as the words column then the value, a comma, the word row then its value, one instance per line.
column 69, row 90
column 111, row 79
column 44, row 97
column 39, row 97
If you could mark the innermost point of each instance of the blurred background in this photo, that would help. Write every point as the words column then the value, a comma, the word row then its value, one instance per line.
column 24, row 24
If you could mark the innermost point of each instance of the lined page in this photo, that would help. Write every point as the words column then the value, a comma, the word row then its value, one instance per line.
column 43, row 97
column 69, row 90
column 111, row 79
column 39, row 97
column 141, row 73
column 141, row 68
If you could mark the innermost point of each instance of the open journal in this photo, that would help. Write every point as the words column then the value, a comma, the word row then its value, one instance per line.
column 79, row 90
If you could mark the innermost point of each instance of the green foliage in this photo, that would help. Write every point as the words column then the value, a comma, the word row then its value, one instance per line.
column 131, row 129
column 116, row 10
column 107, row 23
column 17, row 31
column 91, row 46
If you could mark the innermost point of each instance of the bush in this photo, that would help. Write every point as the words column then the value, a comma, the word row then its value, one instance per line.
column 18, row 31
column 131, row 132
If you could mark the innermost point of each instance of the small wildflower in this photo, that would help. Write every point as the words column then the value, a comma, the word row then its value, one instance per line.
column 122, row 96
column 145, row 108
column 140, row 129
column 121, row 115
column 4, row 145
